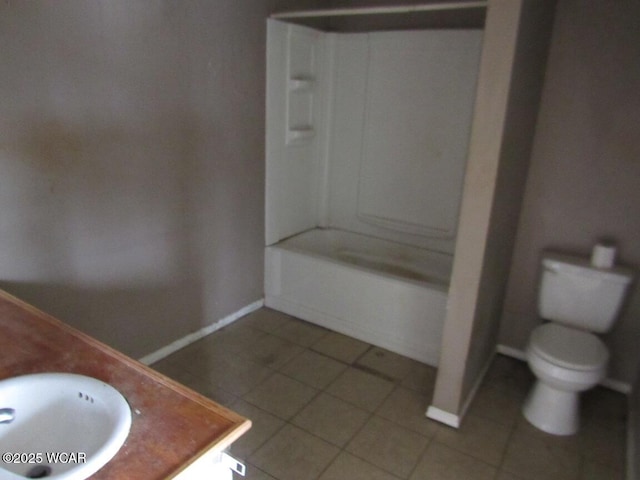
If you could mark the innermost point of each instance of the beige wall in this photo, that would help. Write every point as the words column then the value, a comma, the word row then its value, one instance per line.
column 527, row 77
column 132, row 162
column 510, row 80
column 584, row 181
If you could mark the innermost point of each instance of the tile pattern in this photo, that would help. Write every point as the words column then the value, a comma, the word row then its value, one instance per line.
column 326, row 406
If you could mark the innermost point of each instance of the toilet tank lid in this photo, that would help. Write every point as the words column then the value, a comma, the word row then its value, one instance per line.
column 580, row 266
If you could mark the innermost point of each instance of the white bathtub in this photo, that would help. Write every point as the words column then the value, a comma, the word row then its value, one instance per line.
column 381, row 292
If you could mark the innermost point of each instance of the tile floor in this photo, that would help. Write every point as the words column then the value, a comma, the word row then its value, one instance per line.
column 328, row 407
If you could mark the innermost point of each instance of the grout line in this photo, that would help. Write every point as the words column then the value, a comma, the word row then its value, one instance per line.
column 512, row 432
column 370, row 414
column 309, row 348
column 376, row 373
column 359, row 357
column 322, row 354
column 255, row 450
column 375, row 414
column 422, row 454
column 253, row 387
column 331, row 461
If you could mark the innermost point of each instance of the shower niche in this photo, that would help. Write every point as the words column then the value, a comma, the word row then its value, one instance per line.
column 366, row 149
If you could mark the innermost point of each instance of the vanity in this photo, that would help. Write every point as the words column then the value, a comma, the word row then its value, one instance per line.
column 175, row 432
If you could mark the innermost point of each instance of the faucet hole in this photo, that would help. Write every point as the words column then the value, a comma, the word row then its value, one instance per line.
column 86, row 397
column 39, row 471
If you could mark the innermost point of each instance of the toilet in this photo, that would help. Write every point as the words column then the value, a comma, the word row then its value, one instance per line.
column 567, row 358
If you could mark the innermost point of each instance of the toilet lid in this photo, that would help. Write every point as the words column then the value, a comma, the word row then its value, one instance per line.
column 569, row 348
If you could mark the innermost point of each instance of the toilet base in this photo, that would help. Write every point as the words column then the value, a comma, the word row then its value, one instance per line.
column 551, row 410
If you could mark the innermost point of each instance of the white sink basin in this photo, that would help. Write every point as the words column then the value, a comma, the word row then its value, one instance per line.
column 82, row 420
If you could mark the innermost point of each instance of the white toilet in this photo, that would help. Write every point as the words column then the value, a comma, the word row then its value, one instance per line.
column 564, row 356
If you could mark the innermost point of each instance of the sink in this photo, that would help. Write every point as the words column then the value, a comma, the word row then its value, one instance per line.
column 60, row 426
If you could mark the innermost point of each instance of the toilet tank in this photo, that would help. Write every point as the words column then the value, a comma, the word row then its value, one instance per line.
column 574, row 293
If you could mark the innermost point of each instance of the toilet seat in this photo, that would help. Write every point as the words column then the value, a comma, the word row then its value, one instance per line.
column 568, row 347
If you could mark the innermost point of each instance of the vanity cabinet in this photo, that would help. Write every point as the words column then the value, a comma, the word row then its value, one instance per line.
column 175, row 432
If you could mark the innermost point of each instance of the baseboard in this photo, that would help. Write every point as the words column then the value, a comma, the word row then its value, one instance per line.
column 203, row 332
column 616, row 386
column 450, row 419
column 610, row 383
column 512, row 352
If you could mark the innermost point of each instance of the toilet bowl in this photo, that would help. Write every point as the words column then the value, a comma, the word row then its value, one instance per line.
column 566, row 361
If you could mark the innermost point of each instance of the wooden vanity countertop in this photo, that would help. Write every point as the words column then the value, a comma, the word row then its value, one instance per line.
column 171, row 425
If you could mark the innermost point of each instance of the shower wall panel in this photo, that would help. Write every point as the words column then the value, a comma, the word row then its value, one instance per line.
column 400, row 123
column 293, row 137
column 368, row 133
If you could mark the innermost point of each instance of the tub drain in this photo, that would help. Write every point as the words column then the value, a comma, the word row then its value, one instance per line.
column 39, row 471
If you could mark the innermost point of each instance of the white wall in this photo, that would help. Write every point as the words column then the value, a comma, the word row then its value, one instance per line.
column 294, row 138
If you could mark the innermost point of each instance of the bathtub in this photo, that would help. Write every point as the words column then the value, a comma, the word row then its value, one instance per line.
column 384, row 293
